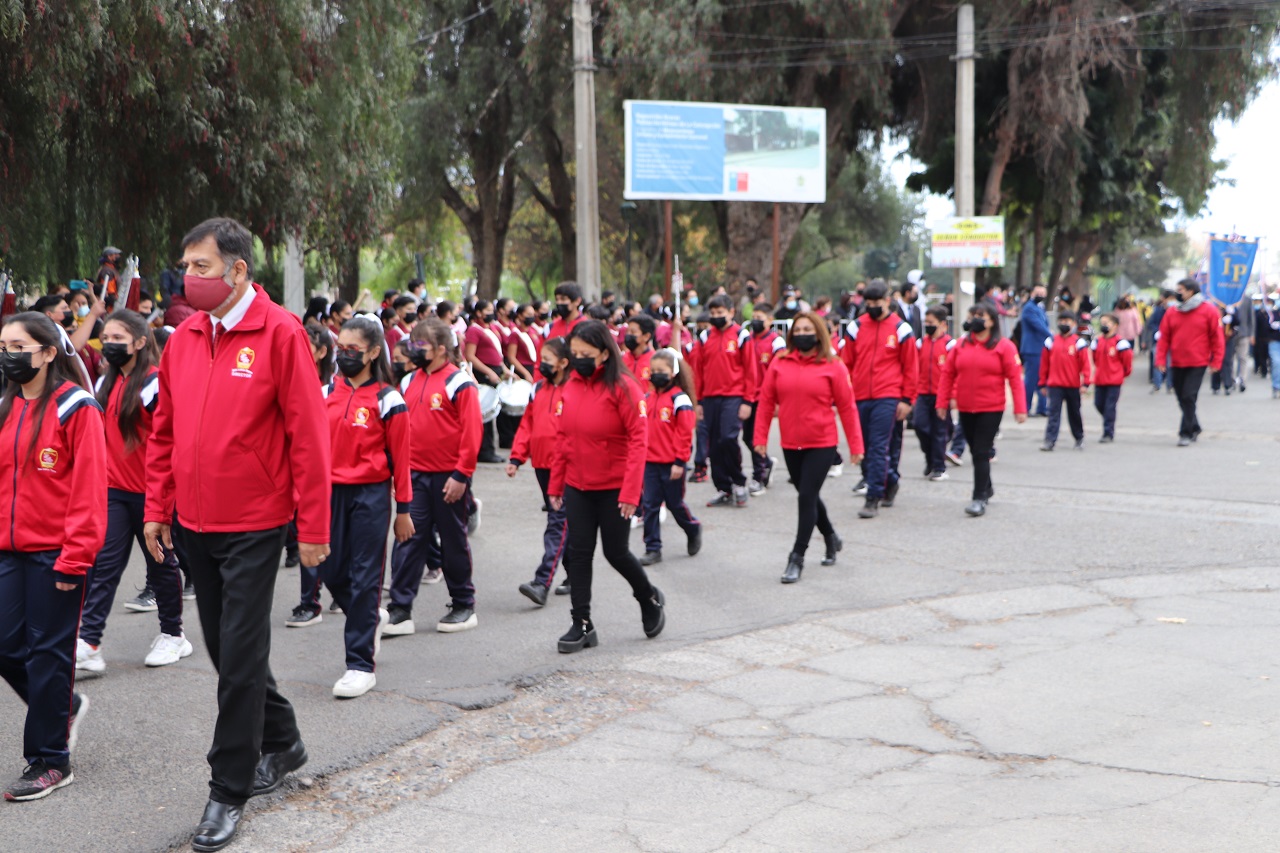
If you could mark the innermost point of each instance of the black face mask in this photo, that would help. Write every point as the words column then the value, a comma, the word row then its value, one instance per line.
column 1106, row 330
column 875, row 311
column 1064, row 328
column 1180, row 297
column 68, row 320
column 757, row 326
column 544, row 317
column 16, row 367
column 419, row 357
column 548, row 371
column 630, row 342
column 805, row 343
column 930, row 330
column 660, row 380
column 1037, row 299
column 585, row 366
column 527, row 321
column 116, row 355
column 399, row 371
column 350, row 365
column 977, row 325
column 562, row 310
column 719, row 322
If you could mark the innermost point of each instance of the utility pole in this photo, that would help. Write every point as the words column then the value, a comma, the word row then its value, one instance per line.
column 584, row 133
column 965, row 278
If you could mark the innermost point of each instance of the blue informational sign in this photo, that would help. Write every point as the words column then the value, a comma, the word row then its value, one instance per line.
column 1230, row 265
column 725, row 152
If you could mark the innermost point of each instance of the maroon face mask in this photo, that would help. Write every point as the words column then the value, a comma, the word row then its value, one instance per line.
column 206, row 294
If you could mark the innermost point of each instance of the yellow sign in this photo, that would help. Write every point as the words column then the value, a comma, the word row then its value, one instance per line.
column 976, row 241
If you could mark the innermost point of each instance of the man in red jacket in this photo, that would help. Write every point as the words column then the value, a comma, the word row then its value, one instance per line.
column 240, row 443
column 1191, row 332
column 725, row 371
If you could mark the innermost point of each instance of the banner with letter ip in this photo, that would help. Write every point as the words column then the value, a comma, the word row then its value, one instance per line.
column 725, row 152
column 1230, row 265
column 968, row 242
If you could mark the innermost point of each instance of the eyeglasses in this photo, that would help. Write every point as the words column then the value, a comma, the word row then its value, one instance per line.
column 20, row 347
column 351, row 350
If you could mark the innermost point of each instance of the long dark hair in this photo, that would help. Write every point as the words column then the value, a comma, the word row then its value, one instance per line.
column 438, row 333
column 131, row 403
column 370, row 331
column 321, row 339
column 596, row 334
column 993, row 321
column 60, row 370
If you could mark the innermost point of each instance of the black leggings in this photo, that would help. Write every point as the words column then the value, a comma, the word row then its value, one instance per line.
column 808, row 470
column 587, row 512
column 980, row 430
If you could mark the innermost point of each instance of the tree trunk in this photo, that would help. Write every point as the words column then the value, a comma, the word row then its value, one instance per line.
column 487, row 223
column 1037, row 256
column 748, row 232
column 559, row 206
column 349, row 274
column 1006, row 136
column 1083, row 248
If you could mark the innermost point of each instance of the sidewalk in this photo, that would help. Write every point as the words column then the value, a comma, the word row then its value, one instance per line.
column 1132, row 714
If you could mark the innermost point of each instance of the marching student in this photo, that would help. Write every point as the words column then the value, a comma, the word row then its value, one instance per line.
column 765, row 344
column 53, row 485
column 128, row 392
column 1064, row 370
column 1112, row 364
column 802, row 387
column 536, row 442
column 482, row 344
column 725, row 375
column 977, row 370
column 882, row 361
column 596, row 477
column 369, row 441
column 524, row 343
column 637, row 346
column 671, row 423
column 444, row 408
column 568, row 310
column 934, row 432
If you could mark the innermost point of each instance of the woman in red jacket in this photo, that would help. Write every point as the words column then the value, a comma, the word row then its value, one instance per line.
column 671, row 424
column 974, row 378
column 535, row 442
column 802, row 386
column 128, row 391
column 53, row 486
column 369, row 441
column 596, row 476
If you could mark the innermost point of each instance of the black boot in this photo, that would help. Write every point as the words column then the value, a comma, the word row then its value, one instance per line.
column 890, row 492
column 217, row 827
column 834, row 545
column 581, row 636
column 871, row 509
column 795, row 565
column 653, row 613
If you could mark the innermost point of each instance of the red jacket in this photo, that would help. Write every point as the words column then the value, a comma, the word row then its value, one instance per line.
column 560, row 327
column 444, row 411
column 535, row 440
column 639, row 366
column 671, row 425
column 804, row 390
column 55, row 497
column 1065, row 362
column 603, row 438
column 975, row 377
column 369, row 436
column 766, row 345
column 239, row 440
column 127, row 468
column 1112, row 360
column 932, row 358
column 1193, row 338
column 724, row 364
column 881, row 357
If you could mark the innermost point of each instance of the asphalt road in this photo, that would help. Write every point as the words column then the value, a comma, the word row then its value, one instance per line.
column 1139, row 506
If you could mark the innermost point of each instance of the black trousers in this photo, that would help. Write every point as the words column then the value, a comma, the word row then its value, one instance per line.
column 1058, row 397
column 1186, row 386
column 38, row 648
column 359, row 518
column 235, row 579
column 980, row 430
column 759, row 461
column 433, row 517
column 934, row 432
column 1105, row 398
column 589, row 513
column 720, row 414
column 808, row 470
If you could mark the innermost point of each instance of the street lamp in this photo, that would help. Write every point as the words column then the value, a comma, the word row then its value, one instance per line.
column 629, row 217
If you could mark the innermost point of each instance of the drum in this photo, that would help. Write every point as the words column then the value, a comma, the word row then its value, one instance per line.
column 490, row 405
column 514, row 395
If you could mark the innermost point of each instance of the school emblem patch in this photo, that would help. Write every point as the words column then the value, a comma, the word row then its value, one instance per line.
column 362, row 417
column 664, row 414
column 559, row 408
column 730, row 345
column 437, row 401
column 244, row 361
column 644, row 374
column 892, row 343
column 644, row 409
column 48, row 459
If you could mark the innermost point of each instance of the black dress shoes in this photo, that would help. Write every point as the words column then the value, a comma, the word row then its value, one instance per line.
column 217, row 826
column 274, row 766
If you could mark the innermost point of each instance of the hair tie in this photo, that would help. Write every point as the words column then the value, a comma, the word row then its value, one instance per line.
column 67, row 346
column 675, row 359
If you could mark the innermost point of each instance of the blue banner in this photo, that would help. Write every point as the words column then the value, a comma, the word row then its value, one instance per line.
column 1230, row 265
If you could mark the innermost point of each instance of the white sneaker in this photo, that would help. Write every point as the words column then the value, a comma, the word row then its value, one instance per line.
column 636, row 521
column 354, row 683
column 431, row 576
column 384, row 618
column 939, row 475
column 662, row 514
column 167, row 649
column 89, row 659
column 755, row 487
column 836, row 470
column 473, row 520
